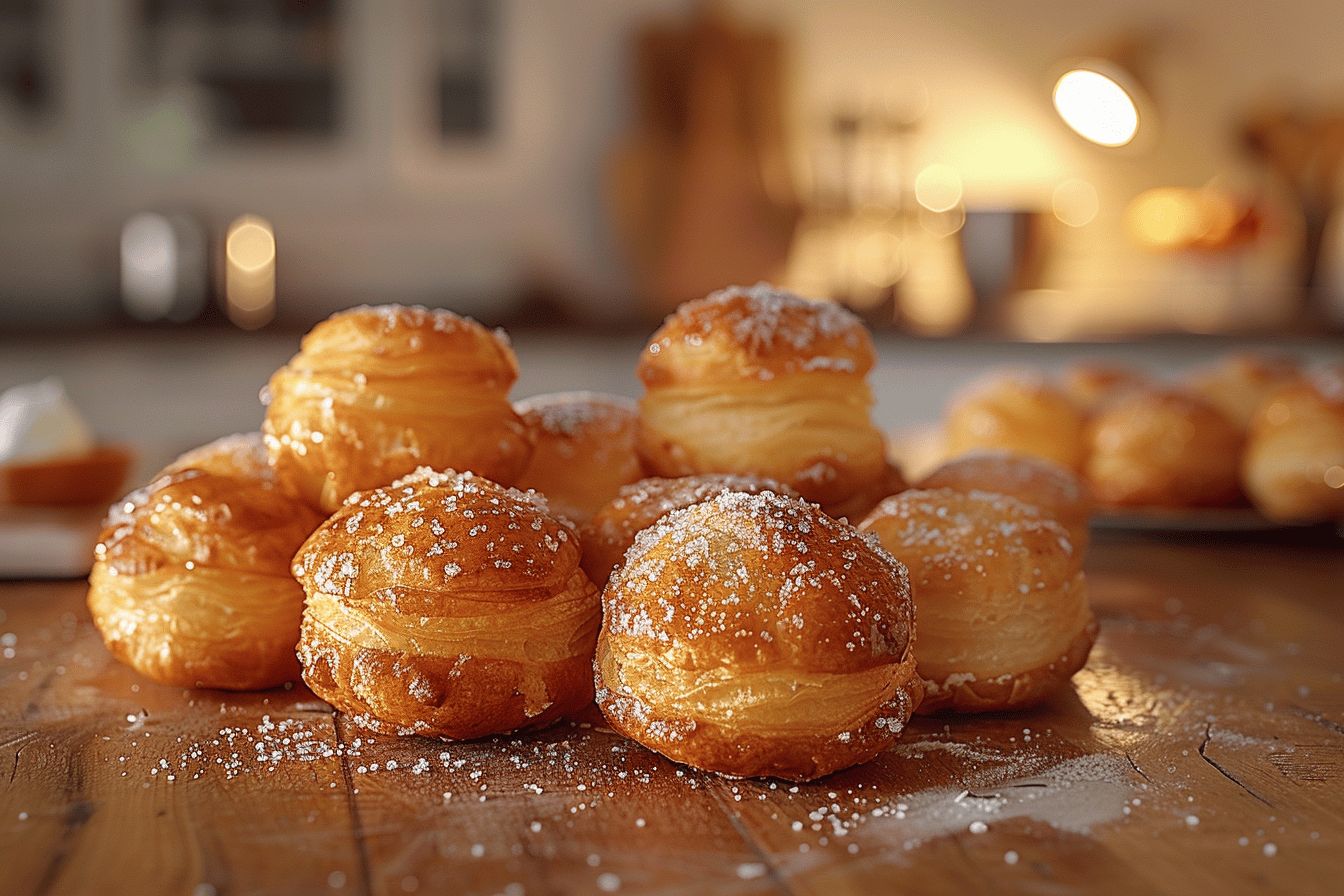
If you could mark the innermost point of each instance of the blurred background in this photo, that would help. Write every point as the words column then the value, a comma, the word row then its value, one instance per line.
column 188, row 185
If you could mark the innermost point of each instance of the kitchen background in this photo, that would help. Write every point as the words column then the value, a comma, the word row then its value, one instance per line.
column 187, row 185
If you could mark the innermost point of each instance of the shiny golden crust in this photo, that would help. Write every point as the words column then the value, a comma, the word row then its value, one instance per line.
column 449, row 606
column 191, row 583
column 1055, row 491
column 999, row 593
column 1239, row 384
column 585, row 449
column 1163, row 448
column 753, row 635
column 612, row 530
column 376, row 392
column 1293, row 467
column 1020, row 413
column 757, row 332
column 1092, row 384
column 760, row 382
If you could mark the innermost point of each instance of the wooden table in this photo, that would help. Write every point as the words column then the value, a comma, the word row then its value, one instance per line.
column 1202, row 751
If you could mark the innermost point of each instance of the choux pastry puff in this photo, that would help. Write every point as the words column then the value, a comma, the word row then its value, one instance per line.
column 999, row 593
column 1293, row 467
column 191, row 582
column 759, row 382
column 753, row 635
column 376, row 392
column 448, row 606
column 585, row 449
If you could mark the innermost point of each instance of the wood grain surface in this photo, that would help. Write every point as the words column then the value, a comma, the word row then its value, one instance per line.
column 1202, row 750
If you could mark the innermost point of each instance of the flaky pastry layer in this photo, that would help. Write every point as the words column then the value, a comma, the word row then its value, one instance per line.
column 501, row 669
column 811, row 431
column 331, row 434
column 200, row 627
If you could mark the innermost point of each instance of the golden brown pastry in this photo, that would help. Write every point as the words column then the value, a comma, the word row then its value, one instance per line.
column 375, row 393
column 753, row 635
column 612, row 530
column 1239, row 384
column 1092, row 384
column 448, row 606
column 999, row 593
column 1293, row 467
column 1017, row 412
column 585, row 449
column 760, row 382
column 1055, row 491
column 1163, row 448
column 191, row 582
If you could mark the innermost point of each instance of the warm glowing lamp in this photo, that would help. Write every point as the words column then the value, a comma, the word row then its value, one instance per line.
column 1097, row 105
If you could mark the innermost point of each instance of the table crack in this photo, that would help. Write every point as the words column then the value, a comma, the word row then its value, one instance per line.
column 1203, row 754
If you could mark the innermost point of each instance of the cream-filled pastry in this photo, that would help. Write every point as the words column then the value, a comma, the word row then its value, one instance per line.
column 999, row 593
column 585, row 449
column 1163, row 448
column 754, row 635
column 1018, row 412
column 191, row 580
column 375, row 393
column 1293, row 468
column 449, row 606
column 756, row 381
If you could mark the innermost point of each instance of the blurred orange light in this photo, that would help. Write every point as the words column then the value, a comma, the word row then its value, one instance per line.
column 249, row 272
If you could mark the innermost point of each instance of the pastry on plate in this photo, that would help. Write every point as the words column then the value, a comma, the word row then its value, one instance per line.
column 756, row 381
column 1091, row 384
column 1293, row 468
column 1163, row 448
column 753, row 635
column 1239, row 384
column 1000, row 597
column 585, row 449
column 449, row 606
column 1055, row 491
column 1019, row 412
column 612, row 530
column 191, row 579
column 375, row 393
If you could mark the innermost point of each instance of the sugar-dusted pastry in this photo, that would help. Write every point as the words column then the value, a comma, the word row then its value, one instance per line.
column 754, row 635
column 448, row 606
column 1239, row 384
column 1091, row 384
column 191, row 582
column 375, row 393
column 1163, row 448
column 760, row 382
column 612, row 530
column 999, row 593
column 585, row 449
column 1018, row 412
column 1293, row 468
column 1055, row 491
